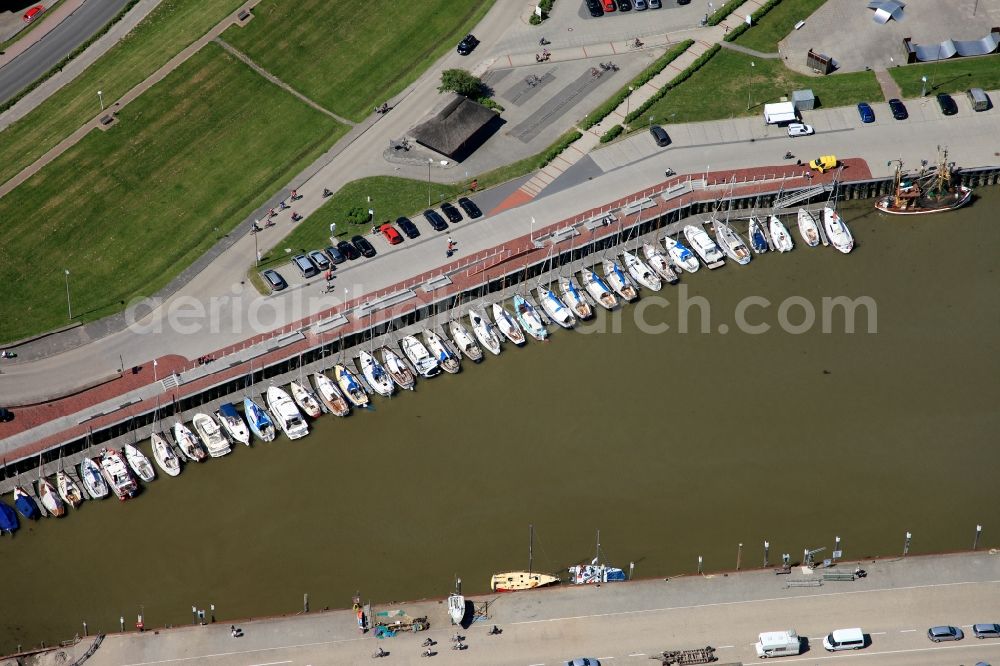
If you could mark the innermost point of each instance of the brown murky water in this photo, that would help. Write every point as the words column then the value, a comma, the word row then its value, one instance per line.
column 674, row 445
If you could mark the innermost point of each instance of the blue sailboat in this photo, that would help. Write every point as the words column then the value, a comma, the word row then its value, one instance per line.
column 757, row 239
column 8, row 519
column 260, row 423
column 25, row 504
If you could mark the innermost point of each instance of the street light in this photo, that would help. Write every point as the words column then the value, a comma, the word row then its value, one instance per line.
column 100, row 96
column 628, row 101
column 750, row 82
column 923, row 87
column 69, row 304
column 430, row 161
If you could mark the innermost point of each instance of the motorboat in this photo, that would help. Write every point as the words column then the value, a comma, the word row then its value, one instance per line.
column 484, row 331
column 233, row 423
column 640, row 272
column 425, row 364
column 507, row 324
column 595, row 572
column 305, row 399
column 437, row 347
column 375, row 374
column 456, row 608
column 259, row 421
column 619, row 281
column 398, row 369
column 681, row 255
column 554, row 308
column 50, row 498
column 93, row 482
column 331, row 395
column 702, row 244
column 529, row 319
column 286, row 414
column 8, row 519
column 779, row 234
column 464, row 341
column 211, row 435
column 758, row 241
column 188, row 443
column 808, row 228
column 116, row 473
column 350, row 386
column 164, row 455
column 659, row 263
column 598, row 289
column 68, row 489
column 574, row 298
column 139, row 463
column 838, row 233
column 731, row 243
column 25, row 504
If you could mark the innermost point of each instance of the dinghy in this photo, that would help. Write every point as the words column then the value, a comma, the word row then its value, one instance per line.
column 758, row 241
column 331, row 395
column 507, row 324
column 305, row 399
column 8, row 519
column 659, row 263
column 450, row 363
column 838, row 233
column 731, row 243
column 574, row 298
column 640, row 272
column 554, row 308
column 211, row 435
column 117, row 475
column 456, row 608
column 68, row 490
column 233, row 424
column 529, row 319
column 50, row 498
column 258, row 420
column 398, row 370
column 425, row 364
column 681, row 255
column 375, row 374
column 464, row 341
column 618, row 280
column 484, row 331
column 702, row 244
column 139, row 463
column 164, row 455
column 779, row 234
column 350, row 386
column 25, row 504
column 598, row 289
column 808, row 228
column 188, row 443
column 286, row 414
column 93, row 482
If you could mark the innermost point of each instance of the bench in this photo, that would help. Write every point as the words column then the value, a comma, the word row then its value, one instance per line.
column 838, row 575
column 812, row 582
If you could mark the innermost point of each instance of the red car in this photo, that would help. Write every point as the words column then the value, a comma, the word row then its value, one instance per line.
column 390, row 234
column 609, row 5
column 33, row 13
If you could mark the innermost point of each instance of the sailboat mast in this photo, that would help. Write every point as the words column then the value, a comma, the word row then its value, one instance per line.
column 531, row 546
column 597, row 555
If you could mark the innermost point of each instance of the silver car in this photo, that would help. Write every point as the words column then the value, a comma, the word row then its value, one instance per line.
column 945, row 633
column 986, row 630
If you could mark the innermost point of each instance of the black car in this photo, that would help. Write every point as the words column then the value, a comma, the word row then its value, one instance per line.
column 470, row 208
column 348, row 250
column 594, row 6
column 898, row 109
column 624, row 5
column 336, row 256
column 274, row 280
column 407, row 227
column 451, row 212
column 947, row 104
column 435, row 220
column 466, row 45
column 363, row 246
column 6, row 415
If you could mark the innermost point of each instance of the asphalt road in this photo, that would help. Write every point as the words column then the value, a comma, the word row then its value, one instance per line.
column 73, row 31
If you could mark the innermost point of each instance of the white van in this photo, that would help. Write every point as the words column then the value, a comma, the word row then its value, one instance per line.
column 844, row 639
column 778, row 644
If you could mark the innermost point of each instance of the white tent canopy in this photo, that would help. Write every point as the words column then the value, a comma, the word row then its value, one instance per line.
column 780, row 112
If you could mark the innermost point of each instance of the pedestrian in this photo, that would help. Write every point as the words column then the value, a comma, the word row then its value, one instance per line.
column 232, row 630
column 474, row 184
column 450, row 241
column 271, row 213
column 282, row 206
column 295, row 195
column 329, row 275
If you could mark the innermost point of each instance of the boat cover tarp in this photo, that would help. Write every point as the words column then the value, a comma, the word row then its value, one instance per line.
column 228, row 410
column 949, row 48
column 8, row 519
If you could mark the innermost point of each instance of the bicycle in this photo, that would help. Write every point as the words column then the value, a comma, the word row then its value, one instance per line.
column 379, row 654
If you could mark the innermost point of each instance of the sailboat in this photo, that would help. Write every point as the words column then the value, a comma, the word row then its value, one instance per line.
column 139, row 463
column 287, row 415
column 305, row 399
column 69, row 491
column 211, row 435
column 598, row 289
column 375, row 374
column 350, row 386
column 233, row 424
column 484, row 331
column 681, row 255
column 555, row 308
column 93, row 482
column 258, row 420
column 731, row 243
column 116, row 473
column 507, row 324
column 838, row 233
column 397, row 369
column 779, row 234
column 659, row 263
column 808, row 228
column 25, row 504
column 513, row 581
column 702, row 244
column 529, row 319
column 619, row 281
column 188, row 443
column 640, row 272
column 464, row 341
column 758, row 241
column 8, row 519
column 331, row 395
column 164, row 455
column 425, row 364
column 574, row 298
column 595, row 572
column 50, row 498
column 436, row 346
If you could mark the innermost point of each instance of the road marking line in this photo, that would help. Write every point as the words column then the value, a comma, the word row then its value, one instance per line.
column 905, row 631
column 638, row 654
column 724, row 647
column 883, row 633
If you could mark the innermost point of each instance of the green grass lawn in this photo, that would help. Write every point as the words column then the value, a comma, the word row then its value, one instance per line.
column 348, row 57
column 719, row 89
column 776, row 24
column 165, row 32
column 128, row 209
column 949, row 76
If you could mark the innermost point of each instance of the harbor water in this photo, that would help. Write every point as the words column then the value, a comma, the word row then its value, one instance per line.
column 674, row 444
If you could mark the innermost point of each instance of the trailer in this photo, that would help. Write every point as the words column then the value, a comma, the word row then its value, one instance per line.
column 705, row 655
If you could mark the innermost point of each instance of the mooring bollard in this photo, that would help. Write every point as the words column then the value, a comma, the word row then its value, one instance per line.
column 305, row 602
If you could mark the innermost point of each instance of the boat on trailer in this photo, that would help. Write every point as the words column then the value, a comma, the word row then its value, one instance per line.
column 484, row 331
column 456, row 608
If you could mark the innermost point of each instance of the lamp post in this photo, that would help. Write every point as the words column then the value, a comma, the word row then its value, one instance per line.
column 100, row 97
column 750, row 83
column 628, row 101
column 923, row 87
column 430, row 161
column 69, row 304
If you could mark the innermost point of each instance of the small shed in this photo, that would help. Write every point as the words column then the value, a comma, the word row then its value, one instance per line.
column 457, row 127
column 803, row 100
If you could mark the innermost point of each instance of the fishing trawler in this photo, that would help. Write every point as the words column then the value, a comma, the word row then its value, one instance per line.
column 930, row 190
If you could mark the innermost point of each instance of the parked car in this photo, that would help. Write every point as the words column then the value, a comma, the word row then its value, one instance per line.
column 6, row 416
column 640, row 5
column 898, row 109
column 582, row 661
column 986, row 630
column 451, row 212
column 466, row 46
column 866, row 113
column 305, row 265
column 660, row 135
column 336, row 256
column 435, row 220
column 654, row 4
column 363, row 246
column 408, row 227
column 274, row 280
column 348, row 250
column 624, row 5
column 594, row 7
column 824, row 163
column 389, row 233
column 945, row 633
column 33, row 13
column 470, row 208
column 608, row 5
column 320, row 259
column 947, row 104
column 799, row 129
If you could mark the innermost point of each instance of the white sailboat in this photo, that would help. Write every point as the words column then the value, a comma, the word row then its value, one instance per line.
column 681, row 255
column 69, row 491
column 619, row 281
column 398, row 370
column 331, row 395
column 234, row 425
column 838, row 233
column 439, row 350
column 464, row 341
column 554, row 307
column 808, row 228
column 702, row 244
column 211, row 435
column 305, row 399
column 164, row 455
column 779, row 234
column 640, row 272
column 188, row 443
column 529, row 319
column 375, row 374
column 285, row 413
column 139, row 463
column 596, row 572
column 93, row 481
column 414, row 350
column 574, row 298
column 598, row 289
column 350, row 386
column 507, row 324
column 659, row 263
column 731, row 243
column 50, row 498
column 484, row 331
